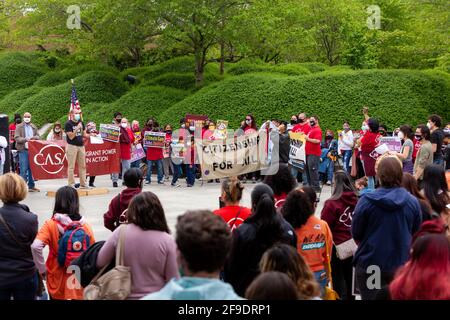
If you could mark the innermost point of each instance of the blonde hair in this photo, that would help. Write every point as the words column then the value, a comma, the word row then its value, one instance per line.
column 12, row 188
column 233, row 189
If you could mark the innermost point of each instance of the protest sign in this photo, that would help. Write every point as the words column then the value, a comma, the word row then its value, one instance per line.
column 48, row 159
column 221, row 129
column 154, row 139
column 393, row 143
column 297, row 155
column 110, row 132
column 197, row 120
column 232, row 157
column 137, row 152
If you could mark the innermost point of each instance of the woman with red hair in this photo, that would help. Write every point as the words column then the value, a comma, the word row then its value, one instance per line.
column 426, row 276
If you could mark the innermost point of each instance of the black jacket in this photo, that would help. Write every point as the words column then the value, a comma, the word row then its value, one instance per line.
column 16, row 260
column 87, row 263
column 242, row 265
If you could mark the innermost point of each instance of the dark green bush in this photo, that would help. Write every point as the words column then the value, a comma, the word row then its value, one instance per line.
column 184, row 81
column 184, row 64
column 395, row 97
column 11, row 102
column 313, row 67
column 290, row 69
column 52, row 103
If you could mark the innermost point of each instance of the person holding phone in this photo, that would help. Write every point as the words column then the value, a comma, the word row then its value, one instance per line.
column 230, row 210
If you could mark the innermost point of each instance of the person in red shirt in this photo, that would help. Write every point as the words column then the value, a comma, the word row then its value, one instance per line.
column 303, row 124
column 126, row 140
column 154, row 155
column 232, row 213
column 12, row 131
column 313, row 153
column 369, row 142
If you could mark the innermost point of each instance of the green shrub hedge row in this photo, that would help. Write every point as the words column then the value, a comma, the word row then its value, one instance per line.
column 52, row 103
column 291, row 69
column 395, row 97
column 12, row 102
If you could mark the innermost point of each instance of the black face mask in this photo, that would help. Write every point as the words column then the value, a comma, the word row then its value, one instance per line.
column 329, row 136
column 18, row 121
column 312, row 123
column 293, row 122
column 419, row 137
column 118, row 120
column 169, row 131
column 301, row 120
column 383, row 133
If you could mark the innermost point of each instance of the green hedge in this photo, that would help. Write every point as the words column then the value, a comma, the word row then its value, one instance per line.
column 395, row 97
column 19, row 70
column 139, row 104
column 290, row 69
column 184, row 81
column 57, row 77
column 52, row 103
column 11, row 102
column 178, row 65
column 313, row 67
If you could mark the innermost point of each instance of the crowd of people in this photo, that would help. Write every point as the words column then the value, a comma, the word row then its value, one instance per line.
column 386, row 224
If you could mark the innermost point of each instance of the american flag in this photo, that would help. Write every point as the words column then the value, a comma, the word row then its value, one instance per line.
column 74, row 103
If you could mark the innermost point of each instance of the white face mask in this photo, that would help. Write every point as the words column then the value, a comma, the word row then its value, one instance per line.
column 27, row 120
column 401, row 135
column 192, row 128
column 124, row 125
column 429, row 125
column 248, row 122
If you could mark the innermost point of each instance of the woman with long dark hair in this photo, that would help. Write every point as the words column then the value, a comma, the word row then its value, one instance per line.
column 149, row 249
column 66, row 213
column 369, row 142
column 338, row 213
column 260, row 231
column 406, row 135
column 426, row 275
column 281, row 183
column 435, row 188
column 411, row 185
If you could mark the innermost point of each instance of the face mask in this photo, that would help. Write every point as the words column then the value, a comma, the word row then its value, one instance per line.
column 418, row 137
column 249, row 122
column 401, row 135
column 27, row 120
column 383, row 133
column 312, row 123
column 124, row 125
column 346, row 129
column 301, row 120
column 429, row 125
column 136, row 128
column 18, row 121
column 150, row 124
column 57, row 130
column 118, row 120
column 192, row 128
column 169, row 131
column 77, row 117
column 364, row 128
column 293, row 122
column 329, row 136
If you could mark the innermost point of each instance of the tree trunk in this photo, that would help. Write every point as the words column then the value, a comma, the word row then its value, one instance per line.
column 222, row 57
column 199, row 67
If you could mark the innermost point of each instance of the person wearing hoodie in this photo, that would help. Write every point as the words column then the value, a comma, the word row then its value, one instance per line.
column 66, row 211
column 133, row 179
column 251, row 239
column 149, row 250
column 18, row 228
column 338, row 212
column 383, row 224
column 203, row 240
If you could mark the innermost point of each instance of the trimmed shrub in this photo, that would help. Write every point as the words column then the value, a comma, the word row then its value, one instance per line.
column 184, row 81
column 185, row 64
column 290, row 69
column 139, row 104
column 57, row 77
column 18, row 70
column 395, row 97
column 313, row 67
column 11, row 102
column 51, row 103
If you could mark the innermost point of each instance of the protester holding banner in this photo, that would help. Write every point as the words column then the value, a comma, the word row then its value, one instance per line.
column 369, row 142
column 406, row 135
column 167, row 162
column 313, row 152
column 25, row 132
column 56, row 134
column 137, row 141
column 75, row 151
column 154, row 151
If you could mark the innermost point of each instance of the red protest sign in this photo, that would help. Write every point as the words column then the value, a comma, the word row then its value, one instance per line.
column 48, row 159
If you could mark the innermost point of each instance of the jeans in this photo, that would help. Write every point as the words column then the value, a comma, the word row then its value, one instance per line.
column 190, row 174
column 135, row 164
column 1, row 168
column 176, row 172
column 439, row 161
column 25, row 170
column 294, row 172
column 126, row 164
column 371, row 183
column 159, row 169
column 342, row 274
column 322, row 280
column 21, row 290
column 167, row 167
column 347, row 155
column 312, row 172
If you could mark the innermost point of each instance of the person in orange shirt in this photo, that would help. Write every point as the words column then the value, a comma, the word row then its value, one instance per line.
column 61, row 284
column 314, row 238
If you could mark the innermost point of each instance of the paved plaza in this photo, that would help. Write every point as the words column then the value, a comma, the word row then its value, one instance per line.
column 174, row 200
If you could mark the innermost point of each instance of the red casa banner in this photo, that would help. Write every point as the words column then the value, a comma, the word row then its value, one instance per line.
column 48, row 159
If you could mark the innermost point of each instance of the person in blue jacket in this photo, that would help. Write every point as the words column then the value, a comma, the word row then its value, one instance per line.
column 328, row 157
column 383, row 224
